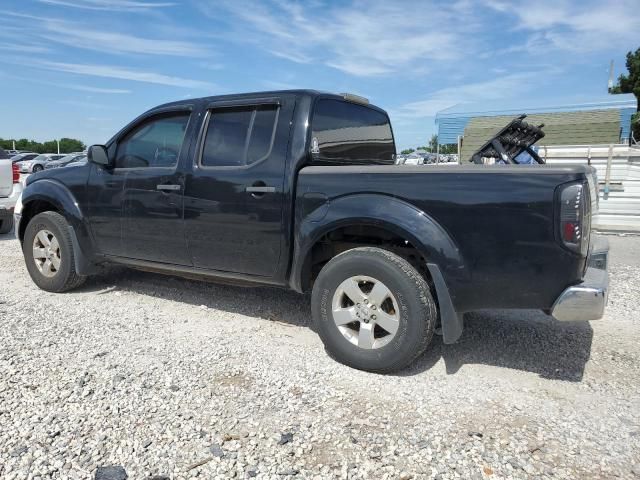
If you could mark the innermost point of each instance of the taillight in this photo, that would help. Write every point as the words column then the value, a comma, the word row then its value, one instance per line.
column 16, row 173
column 575, row 217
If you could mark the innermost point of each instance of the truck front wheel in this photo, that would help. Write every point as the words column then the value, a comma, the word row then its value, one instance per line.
column 48, row 253
column 373, row 310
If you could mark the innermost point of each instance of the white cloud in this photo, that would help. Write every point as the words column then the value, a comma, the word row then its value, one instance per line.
column 31, row 48
column 108, row 41
column 86, row 88
column 109, row 71
column 113, row 42
column 585, row 26
column 497, row 88
column 364, row 38
column 111, row 5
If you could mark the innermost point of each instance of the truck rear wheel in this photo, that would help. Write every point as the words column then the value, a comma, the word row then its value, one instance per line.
column 373, row 310
column 48, row 253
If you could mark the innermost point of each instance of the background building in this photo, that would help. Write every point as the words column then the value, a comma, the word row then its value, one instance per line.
column 601, row 120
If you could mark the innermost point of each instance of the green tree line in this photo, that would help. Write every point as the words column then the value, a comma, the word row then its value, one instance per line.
column 67, row 145
column 630, row 83
column 433, row 147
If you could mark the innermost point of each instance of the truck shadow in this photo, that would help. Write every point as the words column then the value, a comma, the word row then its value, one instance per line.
column 529, row 341
column 526, row 340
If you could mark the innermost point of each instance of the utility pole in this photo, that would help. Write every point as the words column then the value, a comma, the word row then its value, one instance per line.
column 610, row 85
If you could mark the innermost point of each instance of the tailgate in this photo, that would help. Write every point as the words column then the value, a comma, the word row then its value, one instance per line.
column 6, row 178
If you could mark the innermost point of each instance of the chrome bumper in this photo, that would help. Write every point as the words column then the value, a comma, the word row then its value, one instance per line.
column 586, row 301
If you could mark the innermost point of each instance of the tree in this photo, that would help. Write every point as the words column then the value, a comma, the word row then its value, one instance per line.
column 635, row 125
column 433, row 143
column 67, row 145
column 630, row 83
column 449, row 148
column 407, row 151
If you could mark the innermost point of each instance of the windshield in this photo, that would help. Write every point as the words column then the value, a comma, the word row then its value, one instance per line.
column 41, row 158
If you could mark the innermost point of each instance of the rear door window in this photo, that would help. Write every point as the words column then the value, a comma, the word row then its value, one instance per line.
column 239, row 136
column 349, row 133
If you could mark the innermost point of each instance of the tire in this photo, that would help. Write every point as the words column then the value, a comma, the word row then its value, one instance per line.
column 408, row 302
column 6, row 225
column 62, row 276
column 37, row 168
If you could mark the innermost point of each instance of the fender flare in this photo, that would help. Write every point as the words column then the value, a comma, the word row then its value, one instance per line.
column 58, row 195
column 402, row 219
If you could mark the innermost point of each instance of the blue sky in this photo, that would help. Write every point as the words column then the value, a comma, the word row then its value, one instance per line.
column 84, row 68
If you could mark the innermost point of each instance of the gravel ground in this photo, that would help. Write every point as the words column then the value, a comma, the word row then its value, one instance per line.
column 177, row 379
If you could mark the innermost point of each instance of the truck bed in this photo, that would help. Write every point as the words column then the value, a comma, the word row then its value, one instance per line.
column 501, row 219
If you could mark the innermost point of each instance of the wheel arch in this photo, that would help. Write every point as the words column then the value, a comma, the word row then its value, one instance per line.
column 384, row 214
column 49, row 195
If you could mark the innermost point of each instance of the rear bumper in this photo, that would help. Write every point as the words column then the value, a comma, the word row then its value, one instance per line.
column 586, row 301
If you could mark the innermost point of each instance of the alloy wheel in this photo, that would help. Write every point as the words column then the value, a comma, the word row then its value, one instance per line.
column 365, row 312
column 46, row 253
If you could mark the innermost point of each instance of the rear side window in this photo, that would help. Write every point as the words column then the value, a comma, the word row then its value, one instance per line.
column 348, row 133
column 239, row 136
column 154, row 143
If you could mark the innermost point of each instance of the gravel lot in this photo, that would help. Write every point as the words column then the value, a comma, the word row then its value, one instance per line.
column 177, row 379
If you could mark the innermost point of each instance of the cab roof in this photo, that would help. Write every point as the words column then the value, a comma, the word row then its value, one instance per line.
column 272, row 93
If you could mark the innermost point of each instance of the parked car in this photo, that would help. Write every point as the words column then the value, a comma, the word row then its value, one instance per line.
column 77, row 163
column 413, row 159
column 10, row 189
column 64, row 161
column 23, row 157
column 38, row 163
column 270, row 188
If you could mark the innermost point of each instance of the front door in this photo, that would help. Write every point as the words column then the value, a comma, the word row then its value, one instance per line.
column 105, row 190
column 149, row 154
column 234, row 195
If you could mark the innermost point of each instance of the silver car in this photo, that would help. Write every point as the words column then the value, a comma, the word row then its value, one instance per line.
column 38, row 163
column 64, row 161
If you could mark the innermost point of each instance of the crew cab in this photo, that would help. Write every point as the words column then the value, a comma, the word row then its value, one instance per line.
column 298, row 189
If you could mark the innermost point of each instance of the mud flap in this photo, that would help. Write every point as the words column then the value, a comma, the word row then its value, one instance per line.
column 452, row 321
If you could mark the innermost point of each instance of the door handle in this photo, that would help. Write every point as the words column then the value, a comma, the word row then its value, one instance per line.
column 261, row 189
column 170, row 187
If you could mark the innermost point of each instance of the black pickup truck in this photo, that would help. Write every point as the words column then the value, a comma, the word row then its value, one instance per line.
column 298, row 189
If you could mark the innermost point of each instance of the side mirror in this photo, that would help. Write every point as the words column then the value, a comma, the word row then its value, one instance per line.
column 98, row 154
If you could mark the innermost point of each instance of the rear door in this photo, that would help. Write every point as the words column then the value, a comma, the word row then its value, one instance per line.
column 234, row 194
